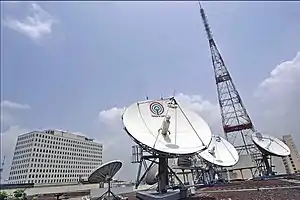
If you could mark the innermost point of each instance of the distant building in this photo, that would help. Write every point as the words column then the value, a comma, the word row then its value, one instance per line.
column 243, row 169
column 54, row 157
column 291, row 162
column 279, row 167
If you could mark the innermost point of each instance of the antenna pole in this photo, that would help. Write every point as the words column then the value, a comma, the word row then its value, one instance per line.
column 147, row 98
column 163, row 178
column 236, row 122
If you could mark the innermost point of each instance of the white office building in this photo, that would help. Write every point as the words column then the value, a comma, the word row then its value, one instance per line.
column 54, row 157
column 291, row 162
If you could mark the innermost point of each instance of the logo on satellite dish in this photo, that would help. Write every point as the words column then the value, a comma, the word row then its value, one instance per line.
column 156, row 108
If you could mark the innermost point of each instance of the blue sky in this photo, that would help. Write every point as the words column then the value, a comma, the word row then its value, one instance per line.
column 78, row 59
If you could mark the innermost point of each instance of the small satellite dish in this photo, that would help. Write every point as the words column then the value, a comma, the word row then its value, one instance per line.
column 220, row 152
column 165, row 127
column 151, row 177
column 270, row 145
column 105, row 172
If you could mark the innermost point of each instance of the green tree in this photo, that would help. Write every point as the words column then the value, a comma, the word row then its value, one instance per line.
column 3, row 195
column 20, row 195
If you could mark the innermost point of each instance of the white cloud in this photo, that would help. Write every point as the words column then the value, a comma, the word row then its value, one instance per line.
column 283, row 79
column 206, row 109
column 36, row 25
column 10, row 131
column 7, row 117
column 111, row 116
column 13, row 105
column 279, row 97
column 116, row 143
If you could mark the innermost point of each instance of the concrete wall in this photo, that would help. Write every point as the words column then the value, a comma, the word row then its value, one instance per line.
column 244, row 161
column 62, row 189
column 279, row 166
column 97, row 192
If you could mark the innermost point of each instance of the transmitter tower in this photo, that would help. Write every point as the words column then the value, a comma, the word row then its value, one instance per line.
column 236, row 122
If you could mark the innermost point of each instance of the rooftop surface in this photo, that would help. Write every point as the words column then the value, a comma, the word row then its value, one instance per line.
column 286, row 188
column 247, row 190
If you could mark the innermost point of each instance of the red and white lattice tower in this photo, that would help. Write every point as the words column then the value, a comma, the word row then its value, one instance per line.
column 236, row 122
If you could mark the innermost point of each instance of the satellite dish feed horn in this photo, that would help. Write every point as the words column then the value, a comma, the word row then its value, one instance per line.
column 165, row 126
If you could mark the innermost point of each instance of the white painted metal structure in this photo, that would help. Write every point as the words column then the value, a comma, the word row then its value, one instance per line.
column 270, row 144
column 220, row 152
column 165, row 127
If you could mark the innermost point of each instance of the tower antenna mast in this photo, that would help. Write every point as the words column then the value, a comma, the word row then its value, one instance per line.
column 236, row 122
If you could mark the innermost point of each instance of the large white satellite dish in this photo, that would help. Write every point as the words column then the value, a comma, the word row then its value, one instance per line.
column 164, row 127
column 220, row 152
column 270, row 145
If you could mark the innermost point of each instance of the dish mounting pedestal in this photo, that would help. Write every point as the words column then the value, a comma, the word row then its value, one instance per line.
column 163, row 191
column 109, row 194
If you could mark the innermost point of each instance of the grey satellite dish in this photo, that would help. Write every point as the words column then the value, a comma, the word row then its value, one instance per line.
column 151, row 177
column 104, row 174
column 270, row 145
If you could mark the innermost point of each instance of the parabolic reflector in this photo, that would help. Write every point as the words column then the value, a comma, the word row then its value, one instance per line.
column 105, row 172
column 220, row 152
column 165, row 127
column 270, row 144
column 151, row 177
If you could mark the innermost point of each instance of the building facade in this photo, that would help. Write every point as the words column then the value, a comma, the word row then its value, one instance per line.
column 54, row 157
column 291, row 162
